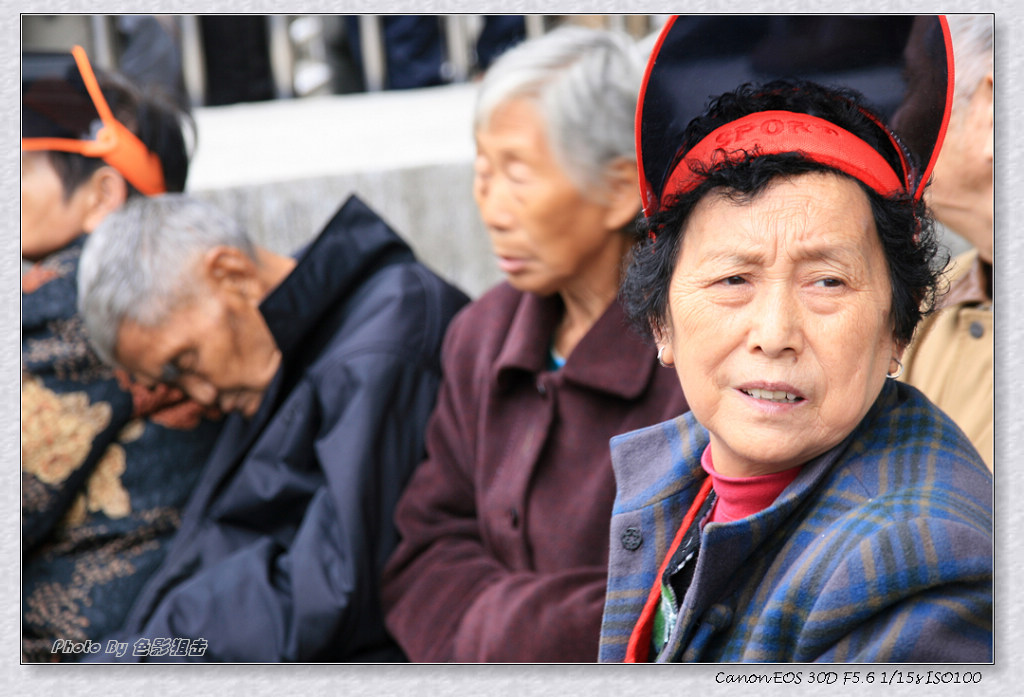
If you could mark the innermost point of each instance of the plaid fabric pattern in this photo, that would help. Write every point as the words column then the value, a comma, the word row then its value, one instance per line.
column 879, row 551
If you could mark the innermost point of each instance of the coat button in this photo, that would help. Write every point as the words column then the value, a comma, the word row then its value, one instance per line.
column 632, row 538
column 542, row 388
column 513, row 517
column 977, row 331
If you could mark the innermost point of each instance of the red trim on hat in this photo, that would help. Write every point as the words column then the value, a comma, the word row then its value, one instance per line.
column 647, row 189
column 647, row 195
column 950, row 84
column 775, row 132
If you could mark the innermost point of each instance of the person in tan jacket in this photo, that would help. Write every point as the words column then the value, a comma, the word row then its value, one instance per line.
column 951, row 357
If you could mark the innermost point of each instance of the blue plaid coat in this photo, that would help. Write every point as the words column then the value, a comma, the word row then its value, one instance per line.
column 879, row 551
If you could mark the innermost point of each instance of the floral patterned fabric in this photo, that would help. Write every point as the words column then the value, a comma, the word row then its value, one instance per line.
column 107, row 465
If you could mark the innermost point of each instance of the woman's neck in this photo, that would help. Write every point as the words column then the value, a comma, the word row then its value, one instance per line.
column 589, row 297
column 741, row 497
column 583, row 307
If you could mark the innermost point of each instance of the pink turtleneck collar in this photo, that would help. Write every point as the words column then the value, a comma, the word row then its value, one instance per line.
column 740, row 497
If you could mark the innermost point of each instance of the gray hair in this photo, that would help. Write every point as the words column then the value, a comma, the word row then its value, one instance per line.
column 139, row 263
column 584, row 82
column 972, row 53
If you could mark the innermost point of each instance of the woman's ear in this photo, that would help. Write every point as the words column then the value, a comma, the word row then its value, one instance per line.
column 105, row 192
column 898, row 350
column 623, row 194
column 988, row 86
column 663, row 340
column 666, row 356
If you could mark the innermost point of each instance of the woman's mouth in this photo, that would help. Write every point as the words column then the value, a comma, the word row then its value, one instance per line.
column 511, row 265
column 772, row 395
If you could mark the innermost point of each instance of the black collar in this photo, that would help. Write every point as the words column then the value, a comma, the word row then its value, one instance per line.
column 351, row 246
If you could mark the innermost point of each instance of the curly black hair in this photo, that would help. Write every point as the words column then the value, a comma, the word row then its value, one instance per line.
column 905, row 228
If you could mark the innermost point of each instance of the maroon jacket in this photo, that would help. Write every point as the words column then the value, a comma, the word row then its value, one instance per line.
column 505, row 526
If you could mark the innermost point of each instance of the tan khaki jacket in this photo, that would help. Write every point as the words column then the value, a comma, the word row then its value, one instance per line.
column 950, row 359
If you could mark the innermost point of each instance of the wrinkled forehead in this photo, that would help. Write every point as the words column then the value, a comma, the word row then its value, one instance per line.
column 820, row 211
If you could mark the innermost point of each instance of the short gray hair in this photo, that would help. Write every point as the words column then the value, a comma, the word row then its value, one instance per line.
column 584, row 82
column 139, row 263
column 972, row 53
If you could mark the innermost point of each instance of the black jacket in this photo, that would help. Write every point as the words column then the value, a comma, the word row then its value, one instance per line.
column 282, row 544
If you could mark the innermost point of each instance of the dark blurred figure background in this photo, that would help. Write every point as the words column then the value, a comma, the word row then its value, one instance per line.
column 237, row 65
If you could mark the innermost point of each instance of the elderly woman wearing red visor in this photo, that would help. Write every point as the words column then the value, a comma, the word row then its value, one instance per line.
column 810, row 507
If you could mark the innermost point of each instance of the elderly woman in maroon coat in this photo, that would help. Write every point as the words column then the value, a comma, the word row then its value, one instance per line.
column 505, row 526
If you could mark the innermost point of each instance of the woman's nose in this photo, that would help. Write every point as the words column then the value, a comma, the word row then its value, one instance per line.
column 775, row 321
column 490, row 200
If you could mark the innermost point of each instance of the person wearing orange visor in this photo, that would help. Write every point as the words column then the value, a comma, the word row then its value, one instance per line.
column 106, row 464
column 79, row 159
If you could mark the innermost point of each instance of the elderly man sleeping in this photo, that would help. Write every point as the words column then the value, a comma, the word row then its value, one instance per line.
column 330, row 365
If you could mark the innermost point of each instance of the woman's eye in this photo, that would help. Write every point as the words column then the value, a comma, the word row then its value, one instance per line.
column 734, row 280
column 829, row 282
column 517, row 172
